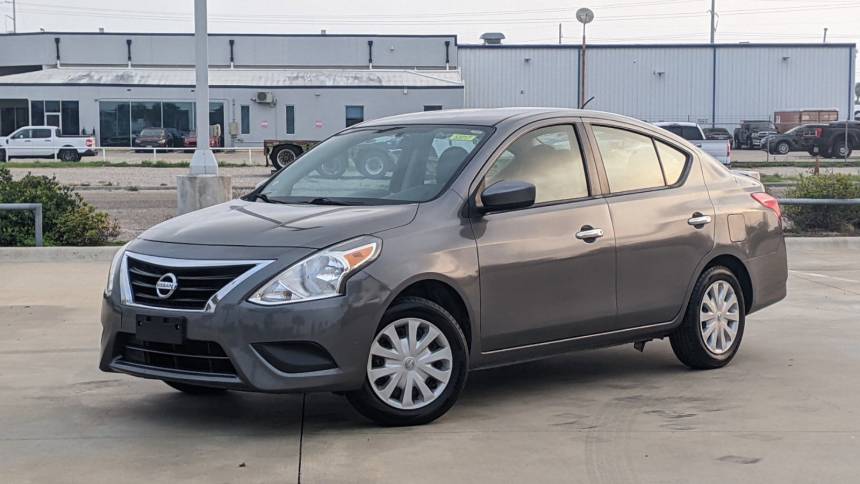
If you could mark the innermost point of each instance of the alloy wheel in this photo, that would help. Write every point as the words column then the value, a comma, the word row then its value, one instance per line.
column 719, row 317
column 285, row 157
column 410, row 363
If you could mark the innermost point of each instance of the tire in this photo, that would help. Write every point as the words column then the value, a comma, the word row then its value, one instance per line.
column 284, row 156
column 3, row 158
column 334, row 168
column 69, row 155
column 195, row 389
column 689, row 342
column 840, row 149
column 373, row 163
column 782, row 148
column 425, row 404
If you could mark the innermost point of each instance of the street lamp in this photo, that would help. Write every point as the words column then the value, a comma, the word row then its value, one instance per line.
column 585, row 16
column 203, row 186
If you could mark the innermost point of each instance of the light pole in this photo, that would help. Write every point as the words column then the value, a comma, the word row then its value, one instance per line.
column 585, row 16
column 203, row 186
column 713, row 19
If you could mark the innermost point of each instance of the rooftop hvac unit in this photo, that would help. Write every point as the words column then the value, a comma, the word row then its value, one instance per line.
column 265, row 97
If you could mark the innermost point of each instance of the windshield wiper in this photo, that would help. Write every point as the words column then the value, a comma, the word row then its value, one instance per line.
column 265, row 198
column 327, row 201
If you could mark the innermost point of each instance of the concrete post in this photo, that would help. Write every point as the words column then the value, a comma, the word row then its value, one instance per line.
column 203, row 186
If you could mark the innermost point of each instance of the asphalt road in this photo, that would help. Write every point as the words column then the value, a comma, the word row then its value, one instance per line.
column 786, row 410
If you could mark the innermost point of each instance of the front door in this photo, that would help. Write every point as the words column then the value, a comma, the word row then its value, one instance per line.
column 20, row 143
column 657, row 194
column 541, row 279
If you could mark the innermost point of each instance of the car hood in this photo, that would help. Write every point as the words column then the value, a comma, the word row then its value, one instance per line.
column 257, row 224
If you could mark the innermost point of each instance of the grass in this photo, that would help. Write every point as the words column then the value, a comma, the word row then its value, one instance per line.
column 788, row 180
column 114, row 164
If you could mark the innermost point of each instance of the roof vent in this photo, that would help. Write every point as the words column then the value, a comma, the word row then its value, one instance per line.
column 492, row 38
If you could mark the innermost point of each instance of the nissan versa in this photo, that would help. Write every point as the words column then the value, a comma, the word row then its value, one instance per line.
column 492, row 237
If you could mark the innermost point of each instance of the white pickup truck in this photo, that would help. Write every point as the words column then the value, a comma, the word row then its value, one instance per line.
column 692, row 132
column 45, row 142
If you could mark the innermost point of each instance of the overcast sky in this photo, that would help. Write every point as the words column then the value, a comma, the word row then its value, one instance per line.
column 534, row 21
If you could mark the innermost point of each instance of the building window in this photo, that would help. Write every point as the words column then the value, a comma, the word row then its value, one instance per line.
column 121, row 121
column 178, row 115
column 433, row 107
column 291, row 119
column 246, row 120
column 37, row 113
column 354, row 115
column 71, row 122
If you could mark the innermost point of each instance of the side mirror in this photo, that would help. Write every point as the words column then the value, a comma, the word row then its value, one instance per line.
column 508, row 195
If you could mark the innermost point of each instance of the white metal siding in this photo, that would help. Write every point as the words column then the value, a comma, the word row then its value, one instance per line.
column 753, row 82
column 652, row 84
column 502, row 77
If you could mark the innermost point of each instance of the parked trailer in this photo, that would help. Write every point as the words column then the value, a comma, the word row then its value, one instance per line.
column 281, row 153
column 786, row 120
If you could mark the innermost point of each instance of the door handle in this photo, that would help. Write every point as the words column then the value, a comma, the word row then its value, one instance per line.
column 589, row 234
column 699, row 220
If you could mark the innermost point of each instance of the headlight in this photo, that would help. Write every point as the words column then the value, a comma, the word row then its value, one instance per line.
column 321, row 275
column 114, row 266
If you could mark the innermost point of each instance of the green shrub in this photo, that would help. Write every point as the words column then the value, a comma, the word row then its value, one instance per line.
column 66, row 218
column 829, row 218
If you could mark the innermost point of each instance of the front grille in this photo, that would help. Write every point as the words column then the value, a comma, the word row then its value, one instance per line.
column 191, row 356
column 195, row 285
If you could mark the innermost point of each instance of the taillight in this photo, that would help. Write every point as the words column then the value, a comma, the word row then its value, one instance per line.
column 90, row 142
column 818, row 132
column 769, row 202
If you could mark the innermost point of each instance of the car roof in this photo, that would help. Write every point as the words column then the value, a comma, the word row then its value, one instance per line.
column 494, row 116
column 676, row 123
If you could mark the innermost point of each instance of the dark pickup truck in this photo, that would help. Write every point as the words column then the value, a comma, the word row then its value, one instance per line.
column 838, row 140
column 799, row 138
column 750, row 134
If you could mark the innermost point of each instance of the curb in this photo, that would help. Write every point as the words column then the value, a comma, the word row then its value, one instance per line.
column 847, row 243
column 57, row 254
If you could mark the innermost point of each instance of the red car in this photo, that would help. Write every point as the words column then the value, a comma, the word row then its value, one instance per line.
column 190, row 141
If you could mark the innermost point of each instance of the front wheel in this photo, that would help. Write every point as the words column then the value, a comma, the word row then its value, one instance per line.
column 710, row 335
column 3, row 158
column 416, row 367
column 783, row 148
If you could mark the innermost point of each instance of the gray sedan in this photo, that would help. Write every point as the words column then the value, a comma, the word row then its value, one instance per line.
column 497, row 236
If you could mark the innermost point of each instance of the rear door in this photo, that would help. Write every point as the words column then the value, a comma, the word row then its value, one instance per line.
column 662, row 216
column 541, row 277
column 42, row 142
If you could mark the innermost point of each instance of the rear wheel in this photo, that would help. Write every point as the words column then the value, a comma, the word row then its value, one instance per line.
column 195, row 389
column 3, row 156
column 373, row 163
column 840, row 149
column 416, row 367
column 284, row 156
column 69, row 155
column 333, row 168
column 710, row 335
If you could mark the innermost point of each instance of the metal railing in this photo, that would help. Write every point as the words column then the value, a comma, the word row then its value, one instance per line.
column 819, row 201
column 252, row 155
column 36, row 208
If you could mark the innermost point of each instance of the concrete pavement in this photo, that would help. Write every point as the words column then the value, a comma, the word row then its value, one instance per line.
column 786, row 410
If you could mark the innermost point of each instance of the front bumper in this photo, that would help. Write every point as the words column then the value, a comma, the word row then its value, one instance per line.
column 343, row 327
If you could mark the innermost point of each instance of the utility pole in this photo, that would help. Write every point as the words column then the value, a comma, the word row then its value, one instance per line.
column 559, row 34
column 584, row 16
column 825, row 35
column 203, row 186
column 713, row 19
column 14, row 18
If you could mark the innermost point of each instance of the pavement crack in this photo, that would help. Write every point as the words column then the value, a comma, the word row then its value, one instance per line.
column 301, row 438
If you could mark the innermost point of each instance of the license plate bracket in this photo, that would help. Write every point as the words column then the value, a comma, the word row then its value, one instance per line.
column 159, row 329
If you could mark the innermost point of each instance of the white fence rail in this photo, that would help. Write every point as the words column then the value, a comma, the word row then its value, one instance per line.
column 252, row 155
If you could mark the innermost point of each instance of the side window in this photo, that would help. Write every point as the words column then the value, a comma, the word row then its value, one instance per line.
column 24, row 134
column 673, row 162
column 291, row 119
column 41, row 133
column 630, row 159
column 245, row 119
column 548, row 158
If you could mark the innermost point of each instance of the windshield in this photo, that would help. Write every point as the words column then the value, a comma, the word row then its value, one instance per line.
column 152, row 132
column 377, row 166
column 761, row 126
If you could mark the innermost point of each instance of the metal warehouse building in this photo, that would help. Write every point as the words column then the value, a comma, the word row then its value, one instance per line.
column 307, row 87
